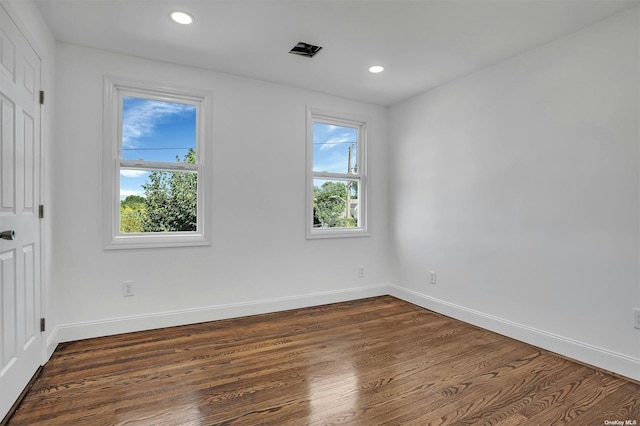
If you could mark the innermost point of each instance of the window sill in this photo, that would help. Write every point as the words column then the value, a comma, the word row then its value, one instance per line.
column 337, row 233
column 156, row 241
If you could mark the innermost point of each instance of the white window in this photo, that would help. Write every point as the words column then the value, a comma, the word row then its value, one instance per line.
column 336, row 176
column 153, row 163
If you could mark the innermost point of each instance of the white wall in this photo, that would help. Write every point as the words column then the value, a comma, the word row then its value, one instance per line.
column 519, row 186
column 259, row 260
column 31, row 23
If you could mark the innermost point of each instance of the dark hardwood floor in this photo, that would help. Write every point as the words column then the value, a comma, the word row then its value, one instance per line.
column 372, row 361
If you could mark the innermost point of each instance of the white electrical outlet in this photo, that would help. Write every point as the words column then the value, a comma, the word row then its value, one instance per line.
column 432, row 277
column 127, row 288
column 636, row 318
column 361, row 272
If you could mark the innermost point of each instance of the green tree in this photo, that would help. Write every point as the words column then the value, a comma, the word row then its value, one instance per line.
column 131, row 218
column 132, row 212
column 329, row 205
column 132, row 201
column 171, row 200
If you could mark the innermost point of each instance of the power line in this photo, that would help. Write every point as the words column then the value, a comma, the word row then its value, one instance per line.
column 155, row 149
column 332, row 143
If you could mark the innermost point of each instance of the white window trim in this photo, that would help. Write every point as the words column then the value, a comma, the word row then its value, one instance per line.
column 114, row 87
column 332, row 117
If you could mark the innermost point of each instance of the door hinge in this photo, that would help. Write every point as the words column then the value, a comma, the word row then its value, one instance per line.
column 42, row 325
column 42, row 97
column 41, row 211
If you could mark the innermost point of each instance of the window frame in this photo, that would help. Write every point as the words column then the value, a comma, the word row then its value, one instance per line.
column 315, row 115
column 114, row 90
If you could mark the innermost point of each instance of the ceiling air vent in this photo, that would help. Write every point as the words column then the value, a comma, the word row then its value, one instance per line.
column 305, row 49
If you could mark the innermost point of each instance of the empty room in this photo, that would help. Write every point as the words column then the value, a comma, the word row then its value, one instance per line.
column 310, row 212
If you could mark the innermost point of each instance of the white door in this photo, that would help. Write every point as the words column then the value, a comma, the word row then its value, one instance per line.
column 20, row 337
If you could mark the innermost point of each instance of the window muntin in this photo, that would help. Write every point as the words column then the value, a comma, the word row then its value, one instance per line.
column 155, row 140
column 336, row 202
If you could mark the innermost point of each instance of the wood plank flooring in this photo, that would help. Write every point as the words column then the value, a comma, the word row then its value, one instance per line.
column 366, row 362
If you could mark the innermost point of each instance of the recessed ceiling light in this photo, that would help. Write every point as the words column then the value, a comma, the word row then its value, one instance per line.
column 181, row 17
column 375, row 69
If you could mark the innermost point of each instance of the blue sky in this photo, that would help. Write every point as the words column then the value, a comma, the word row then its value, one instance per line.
column 331, row 147
column 153, row 131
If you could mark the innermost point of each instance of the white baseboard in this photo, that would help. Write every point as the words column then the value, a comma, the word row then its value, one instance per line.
column 53, row 339
column 107, row 327
column 583, row 352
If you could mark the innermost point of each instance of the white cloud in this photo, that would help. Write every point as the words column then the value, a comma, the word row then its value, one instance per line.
column 141, row 118
column 124, row 193
column 336, row 141
column 133, row 173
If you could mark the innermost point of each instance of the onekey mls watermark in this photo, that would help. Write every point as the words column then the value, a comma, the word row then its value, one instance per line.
column 621, row 422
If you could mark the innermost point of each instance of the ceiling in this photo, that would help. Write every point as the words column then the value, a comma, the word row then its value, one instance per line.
column 421, row 44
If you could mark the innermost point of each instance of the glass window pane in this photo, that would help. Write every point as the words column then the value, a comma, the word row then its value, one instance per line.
column 334, row 148
column 330, row 201
column 154, row 201
column 157, row 130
